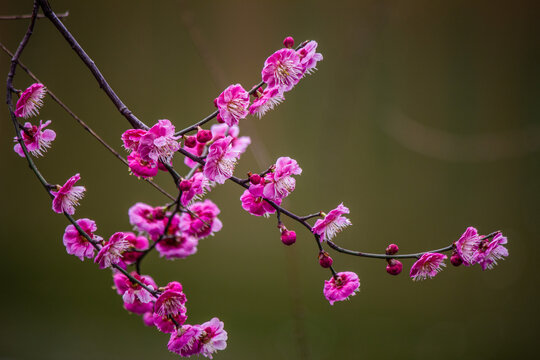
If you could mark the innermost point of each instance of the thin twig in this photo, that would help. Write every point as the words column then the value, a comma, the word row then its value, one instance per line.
column 28, row 16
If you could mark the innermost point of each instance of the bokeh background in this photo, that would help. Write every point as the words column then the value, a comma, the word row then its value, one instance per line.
column 423, row 119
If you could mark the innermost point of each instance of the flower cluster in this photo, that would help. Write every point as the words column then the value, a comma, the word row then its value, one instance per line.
column 150, row 147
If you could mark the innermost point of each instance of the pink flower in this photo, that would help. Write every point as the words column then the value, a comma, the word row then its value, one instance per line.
column 148, row 219
column 239, row 144
column 489, row 252
column 138, row 307
column 171, row 301
column 221, row 160
column 278, row 183
column 68, row 196
column 148, row 319
column 37, row 141
column 159, row 143
column 204, row 222
column 467, row 245
column 427, row 266
column 332, row 224
column 282, row 70
column 185, row 341
column 342, row 286
column 198, row 150
column 165, row 324
column 232, row 104
column 142, row 168
column 30, row 101
column 198, row 186
column 137, row 243
column 111, row 253
column 177, row 247
column 76, row 244
column 309, row 57
column 270, row 97
column 132, row 292
column 213, row 337
column 256, row 205
column 132, row 137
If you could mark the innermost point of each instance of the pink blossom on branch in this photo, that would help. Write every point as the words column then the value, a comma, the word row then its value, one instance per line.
column 309, row 57
column 137, row 242
column 132, row 138
column 159, row 143
column 489, row 251
column 111, row 253
column 132, row 292
column 30, row 101
column 68, row 196
column 221, row 160
column 171, row 301
column 142, row 168
column 256, row 205
column 77, row 244
column 270, row 98
column 282, row 70
column 185, row 341
column 239, row 144
column 148, row 219
column 342, row 286
column 467, row 245
column 279, row 182
column 194, row 188
column 212, row 338
column 36, row 139
column 232, row 104
column 427, row 266
column 332, row 224
column 204, row 222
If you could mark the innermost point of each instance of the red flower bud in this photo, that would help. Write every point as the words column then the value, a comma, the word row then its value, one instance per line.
column 288, row 42
column 190, row 141
column 255, row 179
column 392, row 249
column 394, row 267
column 288, row 237
column 325, row 260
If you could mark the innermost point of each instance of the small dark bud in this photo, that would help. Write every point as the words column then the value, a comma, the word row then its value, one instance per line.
column 185, row 185
column 325, row 260
column 204, row 136
column 394, row 267
column 456, row 260
column 255, row 179
column 190, row 141
column 288, row 237
column 392, row 249
column 288, row 42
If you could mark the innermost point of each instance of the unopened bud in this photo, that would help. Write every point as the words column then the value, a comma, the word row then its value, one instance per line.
column 255, row 179
column 392, row 249
column 288, row 42
column 455, row 259
column 203, row 136
column 288, row 237
column 185, row 185
column 325, row 260
column 219, row 119
column 215, row 102
column 190, row 141
column 394, row 267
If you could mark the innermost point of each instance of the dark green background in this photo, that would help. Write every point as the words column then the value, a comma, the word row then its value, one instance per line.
column 423, row 119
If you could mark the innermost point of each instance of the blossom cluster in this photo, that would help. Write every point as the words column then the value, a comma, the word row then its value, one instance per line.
column 175, row 229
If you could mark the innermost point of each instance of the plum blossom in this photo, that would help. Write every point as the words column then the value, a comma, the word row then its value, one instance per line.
column 332, row 224
column 159, row 143
column 309, row 57
column 78, row 245
column 467, row 245
column 256, row 205
column 132, row 292
column 177, row 247
column 270, row 98
column 282, row 69
column 232, row 104
column 427, row 266
column 204, row 222
column 340, row 287
column 132, row 138
column 142, row 168
column 165, row 324
column 194, row 188
column 489, row 252
column 239, row 144
column 185, row 341
column 67, row 196
column 171, row 301
column 136, row 243
column 30, row 101
column 36, row 139
column 212, row 338
column 111, row 253
column 148, row 219
column 221, row 160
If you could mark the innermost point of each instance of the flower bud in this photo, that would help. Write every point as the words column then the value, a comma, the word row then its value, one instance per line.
column 185, row 185
column 203, row 136
column 255, row 179
column 455, row 259
column 288, row 42
column 394, row 267
column 190, row 141
column 392, row 249
column 288, row 237
column 219, row 119
column 325, row 260
column 215, row 102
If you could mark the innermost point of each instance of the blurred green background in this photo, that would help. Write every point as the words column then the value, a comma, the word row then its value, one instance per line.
column 423, row 119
